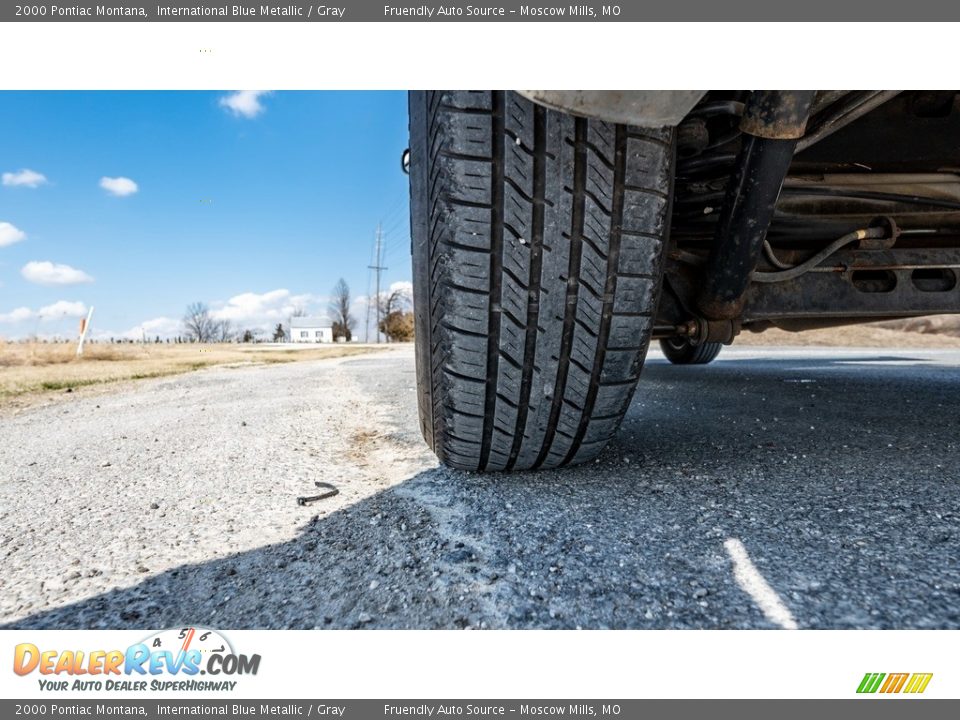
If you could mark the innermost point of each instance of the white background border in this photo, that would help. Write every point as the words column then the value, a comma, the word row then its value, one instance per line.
column 628, row 664
column 403, row 55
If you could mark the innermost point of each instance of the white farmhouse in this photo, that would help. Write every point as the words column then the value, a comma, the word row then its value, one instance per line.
column 311, row 330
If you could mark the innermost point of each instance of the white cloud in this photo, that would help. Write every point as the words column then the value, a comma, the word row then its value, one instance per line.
column 266, row 309
column 163, row 326
column 160, row 325
column 402, row 286
column 24, row 178
column 10, row 234
column 62, row 308
column 244, row 103
column 18, row 315
column 119, row 186
column 253, row 305
column 56, row 311
column 44, row 272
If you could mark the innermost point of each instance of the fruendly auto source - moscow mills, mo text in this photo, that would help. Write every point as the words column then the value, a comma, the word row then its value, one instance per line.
column 534, row 11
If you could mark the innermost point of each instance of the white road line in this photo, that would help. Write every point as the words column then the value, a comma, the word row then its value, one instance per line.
column 752, row 582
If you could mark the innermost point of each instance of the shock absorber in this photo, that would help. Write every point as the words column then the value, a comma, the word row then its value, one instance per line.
column 772, row 123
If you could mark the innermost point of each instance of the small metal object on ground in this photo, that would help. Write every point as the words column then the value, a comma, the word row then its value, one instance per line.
column 330, row 492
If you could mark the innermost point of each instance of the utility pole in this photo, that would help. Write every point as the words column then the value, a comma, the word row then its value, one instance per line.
column 366, row 325
column 378, row 268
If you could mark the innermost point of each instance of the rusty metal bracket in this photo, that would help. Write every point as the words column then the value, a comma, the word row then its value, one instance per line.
column 777, row 114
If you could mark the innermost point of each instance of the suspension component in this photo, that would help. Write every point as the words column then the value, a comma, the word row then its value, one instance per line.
column 773, row 121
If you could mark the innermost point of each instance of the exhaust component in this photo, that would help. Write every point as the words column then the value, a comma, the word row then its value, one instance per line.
column 773, row 121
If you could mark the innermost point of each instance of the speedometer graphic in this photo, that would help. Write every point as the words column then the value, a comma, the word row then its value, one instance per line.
column 178, row 640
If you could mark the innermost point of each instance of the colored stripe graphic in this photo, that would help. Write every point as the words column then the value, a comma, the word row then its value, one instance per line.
column 894, row 683
column 918, row 682
column 870, row 682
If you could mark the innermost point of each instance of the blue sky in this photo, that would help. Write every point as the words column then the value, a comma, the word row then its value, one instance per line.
column 139, row 203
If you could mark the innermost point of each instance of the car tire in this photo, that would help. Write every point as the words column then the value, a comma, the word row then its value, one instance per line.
column 680, row 351
column 538, row 242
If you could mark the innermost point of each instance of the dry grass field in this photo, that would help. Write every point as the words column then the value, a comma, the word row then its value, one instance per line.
column 27, row 368
column 895, row 334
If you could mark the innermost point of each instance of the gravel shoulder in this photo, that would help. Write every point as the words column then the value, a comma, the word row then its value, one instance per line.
column 777, row 487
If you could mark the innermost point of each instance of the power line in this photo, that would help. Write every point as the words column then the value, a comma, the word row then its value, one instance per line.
column 397, row 243
column 400, row 221
column 394, row 208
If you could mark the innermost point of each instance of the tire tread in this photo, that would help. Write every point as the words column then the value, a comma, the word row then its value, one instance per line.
column 538, row 242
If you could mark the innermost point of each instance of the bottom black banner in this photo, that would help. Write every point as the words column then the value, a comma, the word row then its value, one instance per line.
column 874, row 708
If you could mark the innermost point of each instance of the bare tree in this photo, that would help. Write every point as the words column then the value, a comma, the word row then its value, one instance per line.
column 197, row 323
column 340, row 311
column 223, row 331
column 398, row 299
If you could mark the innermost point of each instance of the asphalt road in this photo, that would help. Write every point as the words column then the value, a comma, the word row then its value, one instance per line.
column 773, row 488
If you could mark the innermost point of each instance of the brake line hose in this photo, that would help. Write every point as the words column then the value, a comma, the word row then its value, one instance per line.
column 797, row 270
column 772, row 257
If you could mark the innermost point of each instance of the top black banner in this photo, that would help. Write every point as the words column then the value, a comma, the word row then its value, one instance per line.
column 457, row 11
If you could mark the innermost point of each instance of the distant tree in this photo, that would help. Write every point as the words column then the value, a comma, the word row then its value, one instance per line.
column 398, row 326
column 278, row 334
column 391, row 303
column 198, row 324
column 395, row 300
column 396, row 316
column 247, row 336
column 340, row 311
column 222, row 331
